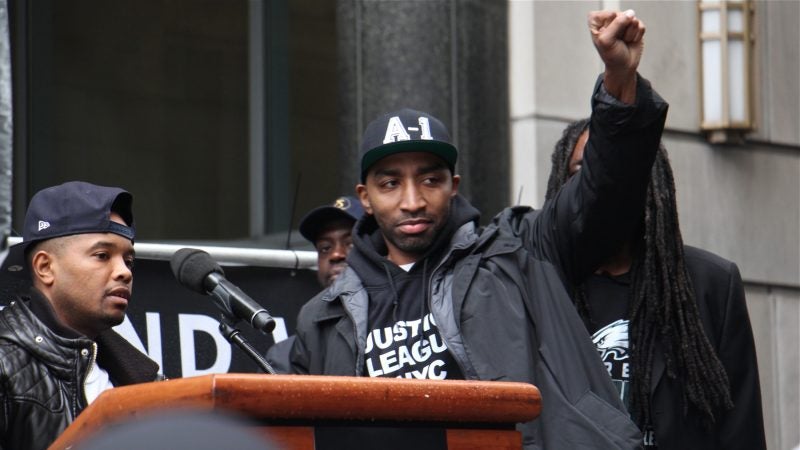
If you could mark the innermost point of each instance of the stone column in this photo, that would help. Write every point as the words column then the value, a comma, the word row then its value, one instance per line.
column 445, row 57
column 6, row 141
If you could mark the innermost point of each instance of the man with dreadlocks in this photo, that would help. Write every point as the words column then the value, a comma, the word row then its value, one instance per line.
column 670, row 323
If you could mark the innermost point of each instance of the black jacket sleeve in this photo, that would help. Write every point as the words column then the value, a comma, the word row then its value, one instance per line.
column 604, row 201
column 721, row 302
column 743, row 426
column 278, row 355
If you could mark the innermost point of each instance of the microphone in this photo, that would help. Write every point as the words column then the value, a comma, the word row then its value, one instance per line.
column 196, row 270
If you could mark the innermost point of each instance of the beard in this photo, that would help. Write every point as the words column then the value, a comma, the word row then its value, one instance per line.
column 413, row 244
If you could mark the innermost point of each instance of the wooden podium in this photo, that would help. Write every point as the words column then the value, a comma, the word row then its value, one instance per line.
column 474, row 414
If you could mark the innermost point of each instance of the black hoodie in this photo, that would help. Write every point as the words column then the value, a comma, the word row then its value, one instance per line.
column 402, row 339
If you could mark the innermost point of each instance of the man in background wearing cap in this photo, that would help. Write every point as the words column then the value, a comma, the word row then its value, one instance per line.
column 428, row 294
column 57, row 349
column 328, row 227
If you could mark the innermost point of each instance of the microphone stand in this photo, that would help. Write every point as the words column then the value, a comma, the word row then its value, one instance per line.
column 234, row 336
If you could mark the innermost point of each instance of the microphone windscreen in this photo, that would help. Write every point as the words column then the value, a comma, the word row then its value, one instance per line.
column 191, row 266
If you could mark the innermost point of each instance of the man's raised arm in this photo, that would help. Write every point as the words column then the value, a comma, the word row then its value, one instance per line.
column 601, row 205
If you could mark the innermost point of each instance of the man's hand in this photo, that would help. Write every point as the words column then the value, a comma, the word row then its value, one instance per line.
column 618, row 39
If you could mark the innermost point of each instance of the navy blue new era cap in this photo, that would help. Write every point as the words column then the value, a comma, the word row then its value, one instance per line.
column 406, row 130
column 347, row 208
column 75, row 207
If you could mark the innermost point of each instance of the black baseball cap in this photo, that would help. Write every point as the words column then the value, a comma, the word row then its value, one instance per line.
column 348, row 208
column 406, row 130
column 75, row 207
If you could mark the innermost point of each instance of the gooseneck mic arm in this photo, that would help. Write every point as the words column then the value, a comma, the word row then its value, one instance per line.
column 234, row 336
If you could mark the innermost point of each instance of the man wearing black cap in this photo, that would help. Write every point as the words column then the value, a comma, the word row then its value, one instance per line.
column 429, row 294
column 57, row 349
column 328, row 227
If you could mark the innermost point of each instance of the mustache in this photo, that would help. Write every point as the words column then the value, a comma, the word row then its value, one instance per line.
column 415, row 216
column 120, row 291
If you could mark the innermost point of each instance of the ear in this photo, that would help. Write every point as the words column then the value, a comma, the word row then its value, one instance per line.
column 42, row 264
column 456, row 181
column 361, row 190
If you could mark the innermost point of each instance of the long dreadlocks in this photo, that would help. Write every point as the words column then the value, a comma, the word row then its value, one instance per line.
column 663, row 313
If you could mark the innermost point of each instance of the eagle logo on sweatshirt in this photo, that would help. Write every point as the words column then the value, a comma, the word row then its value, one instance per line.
column 612, row 340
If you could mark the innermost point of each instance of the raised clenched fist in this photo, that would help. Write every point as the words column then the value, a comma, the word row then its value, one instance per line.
column 618, row 39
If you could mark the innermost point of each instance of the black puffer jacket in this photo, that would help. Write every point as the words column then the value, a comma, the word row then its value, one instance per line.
column 43, row 365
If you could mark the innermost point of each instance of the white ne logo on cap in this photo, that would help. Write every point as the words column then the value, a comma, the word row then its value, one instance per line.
column 396, row 131
column 43, row 225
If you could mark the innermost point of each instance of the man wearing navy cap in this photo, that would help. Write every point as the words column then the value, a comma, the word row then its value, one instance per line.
column 429, row 294
column 328, row 227
column 57, row 348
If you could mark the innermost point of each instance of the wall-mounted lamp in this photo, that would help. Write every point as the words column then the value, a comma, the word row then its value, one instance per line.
column 725, row 70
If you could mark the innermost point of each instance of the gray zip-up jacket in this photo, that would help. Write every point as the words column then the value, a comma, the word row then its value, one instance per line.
column 497, row 294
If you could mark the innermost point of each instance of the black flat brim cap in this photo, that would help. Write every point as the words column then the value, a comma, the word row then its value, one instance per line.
column 443, row 150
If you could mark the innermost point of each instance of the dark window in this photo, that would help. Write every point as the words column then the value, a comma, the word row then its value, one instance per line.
column 203, row 109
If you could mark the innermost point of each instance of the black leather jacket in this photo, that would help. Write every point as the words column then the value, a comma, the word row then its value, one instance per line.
column 43, row 366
